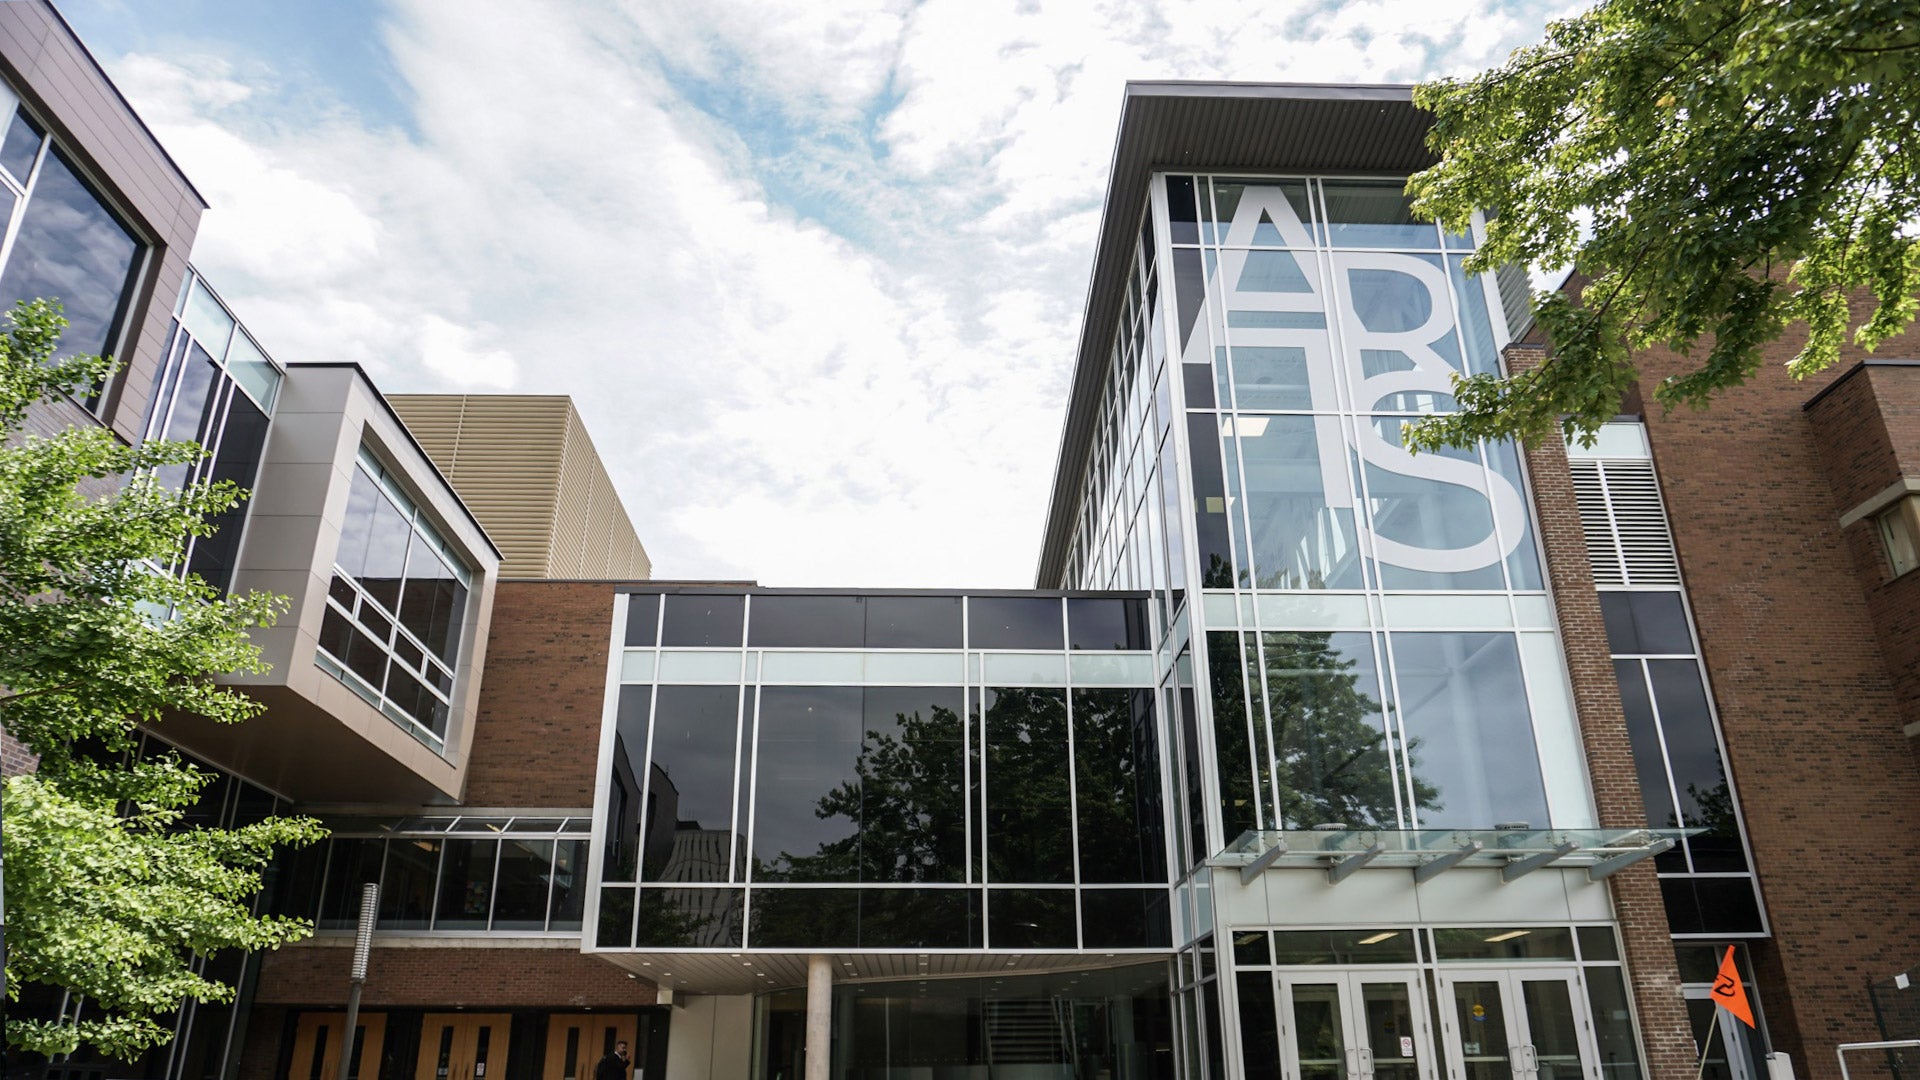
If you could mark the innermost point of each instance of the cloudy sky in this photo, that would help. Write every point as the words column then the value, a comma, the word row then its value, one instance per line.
column 811, row 270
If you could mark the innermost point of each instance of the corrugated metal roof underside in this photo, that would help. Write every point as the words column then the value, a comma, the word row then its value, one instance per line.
column 1214, row 127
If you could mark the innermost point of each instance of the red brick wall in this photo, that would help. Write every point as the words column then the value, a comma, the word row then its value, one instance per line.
column 399, row 977
column 1654, row 976
column 1808, row 707
column 537, row 734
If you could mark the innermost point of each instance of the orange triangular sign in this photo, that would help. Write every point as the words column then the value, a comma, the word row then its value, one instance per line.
column 1728, row 993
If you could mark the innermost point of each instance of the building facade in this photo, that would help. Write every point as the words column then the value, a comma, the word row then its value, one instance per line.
column 1305, row 757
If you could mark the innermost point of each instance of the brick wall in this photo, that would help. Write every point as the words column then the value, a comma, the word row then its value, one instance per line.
column 1655, row 978
column 439, row 977
column 537, row 735
column 1807, row 705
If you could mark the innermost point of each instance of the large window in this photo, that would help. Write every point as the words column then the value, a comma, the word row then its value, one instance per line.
column 396, row 607
column 217, row 389
column 510, row 874
column 62, row 241
column 796, row 770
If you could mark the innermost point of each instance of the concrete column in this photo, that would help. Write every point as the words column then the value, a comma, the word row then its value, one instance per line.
column 819, row 1017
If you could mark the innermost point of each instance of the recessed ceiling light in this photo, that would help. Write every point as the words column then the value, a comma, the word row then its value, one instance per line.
column 1508, row 936
column 1378, row 938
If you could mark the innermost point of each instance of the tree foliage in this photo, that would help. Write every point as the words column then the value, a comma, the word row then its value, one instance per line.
column 1743, row 166
column 107, row 896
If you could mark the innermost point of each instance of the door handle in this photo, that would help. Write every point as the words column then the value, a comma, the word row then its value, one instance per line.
column 1528, row 1060
column 1364, row 1055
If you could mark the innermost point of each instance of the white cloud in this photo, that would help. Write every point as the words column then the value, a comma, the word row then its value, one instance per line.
column 865, row 388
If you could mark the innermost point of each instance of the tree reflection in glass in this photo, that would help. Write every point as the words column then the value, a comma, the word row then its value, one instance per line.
column 1323, row 697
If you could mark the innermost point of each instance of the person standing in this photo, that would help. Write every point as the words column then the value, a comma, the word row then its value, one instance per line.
column 614, row 1066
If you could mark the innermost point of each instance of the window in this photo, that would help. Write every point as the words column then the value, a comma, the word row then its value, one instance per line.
column 396, row 608
column 1900, row 534
column 62, row 242
column 217, row 389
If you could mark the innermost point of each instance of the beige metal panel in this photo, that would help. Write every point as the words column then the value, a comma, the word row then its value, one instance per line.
column 528, row 469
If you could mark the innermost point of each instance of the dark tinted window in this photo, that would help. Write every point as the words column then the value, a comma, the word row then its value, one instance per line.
column 807, row 622
column 569, row 893
column 913, row 622
column 1029, row 814
column 806, row 789
column 867, row 918
column 1183, row 217
column 1013, row 622
column 1343, row 947
column 1259, row 1032
column 629, row 771
column 1100, row 623
column 1117, row 784
column 520, row 897
column 616, row 919
column 643, row 620
column 913, row 808
column 1231, row 740
column 22, row 145
column 238, row 459
column 1125, row 918
column 1693, row 754
column 703, row 620
column 406, row 889
column 1323, row 698
column 1210, row 502
column 466, row 884
column 72, row 249
column 1032, row 918
column 691, row 783
column 690, row 918
column 1649, row 762
column 1646, row 622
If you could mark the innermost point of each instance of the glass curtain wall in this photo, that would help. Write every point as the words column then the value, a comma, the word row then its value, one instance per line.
column 217, row 388
column 62, row 241
column 1379, row 648
column 885, row 771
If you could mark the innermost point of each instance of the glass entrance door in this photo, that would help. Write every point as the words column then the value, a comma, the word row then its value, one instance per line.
column 1354, row 1026
column 1516, row 1025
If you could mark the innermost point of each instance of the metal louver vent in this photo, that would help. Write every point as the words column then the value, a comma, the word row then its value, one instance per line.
column 1625, row 520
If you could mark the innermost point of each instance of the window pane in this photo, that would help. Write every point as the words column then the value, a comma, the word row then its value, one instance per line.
column 807, row 622
column 386, row 562
column 690, row 918
column 1343, row 947
column 913, row 807
column 194, row 399
column 1693, row 753
column 643, row 620
column 1102, row 624
column 569, row 885
column 206, row 320
column 1502, row 943
column 1210, row 502
column 1117, row 778
column 1013, row 622
column 1374, row 215
column 622, row 834
column 1649, row 761
column 1612, row 1022
column 1302, row 535
column 1028, row 807
column 352, row 863
column 1435, row 529
column 807, row 788
column 428, row 586
column 241, row 441
column 866, row 918
column 466, row 884
column 703, row 620
column 1647, row 622
column 1239, row 810
column 1259, row 1029
column 1032, row 919
column 616, row 919
column 692, row 782
column 1125, row 918
column 1259, row 213
column 406, row 890
column 252, row 370
column 1469, row 735
column 520, row 897
column 1182, row 219
column 357, row 527
column 22, row 145
column 914, row 622
column 1323, row 700
column 72, row 249
column 1271, row 378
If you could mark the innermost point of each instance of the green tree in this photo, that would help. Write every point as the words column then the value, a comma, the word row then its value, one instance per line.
column 1743, row 167
column 107, row 896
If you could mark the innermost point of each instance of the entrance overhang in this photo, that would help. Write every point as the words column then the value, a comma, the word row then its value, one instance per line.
column 1340, row 852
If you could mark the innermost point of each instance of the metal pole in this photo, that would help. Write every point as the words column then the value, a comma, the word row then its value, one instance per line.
column 1706, row 1046
column 357, row 976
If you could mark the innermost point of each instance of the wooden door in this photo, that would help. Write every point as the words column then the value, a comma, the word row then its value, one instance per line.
column 316, row 1046
column 577, row 1041
column 463, row 1046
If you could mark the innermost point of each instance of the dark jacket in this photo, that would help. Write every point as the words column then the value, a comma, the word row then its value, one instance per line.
column 611, row 1067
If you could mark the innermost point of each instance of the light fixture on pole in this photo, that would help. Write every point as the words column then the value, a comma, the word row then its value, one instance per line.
column 357, row 975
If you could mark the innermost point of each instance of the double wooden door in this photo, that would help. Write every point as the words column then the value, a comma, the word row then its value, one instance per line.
column 317, row 1043
column 577, row 1041
column 463, row 1046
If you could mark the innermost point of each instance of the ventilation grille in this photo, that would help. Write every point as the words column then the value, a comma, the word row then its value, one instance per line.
column 1625, row 520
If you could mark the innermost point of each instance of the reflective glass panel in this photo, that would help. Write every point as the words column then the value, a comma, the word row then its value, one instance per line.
column 1013, row 622
column 1125, row 919
column 1646, row 622
column 352, row 863
column 807, row 784
column 1029, row 810
column 690, row 783
column 238, row 460
column 1374, row 214
column 1259, row 1025
column 1097, row 623
column 911, row 765
column 1232, row 740
column 866, row 918
column 569, row 894
column 406, row 889
column 807, row 622
column 1504, row 943
column 1299, row 501
column 1329, row 735
column 1469, row 736
column 703, row 620
column 914, row 622
column 1117, row 777
column 689, row 918
column 1032, row 919
column 520, row 897
column 1480, row 1016
column 1319, row 1030
column 1693, row 753
column 1612, row 1022
column 72, row 249
column 1343, row 947
column 21, row 146
column 466, row 884
column 643, row 620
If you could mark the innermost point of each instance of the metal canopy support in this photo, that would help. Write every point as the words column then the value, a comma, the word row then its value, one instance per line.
column 1267, row 858
column 1519, row 868
column 1339, row 871
column 1434, row 867
column 1606, row 868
